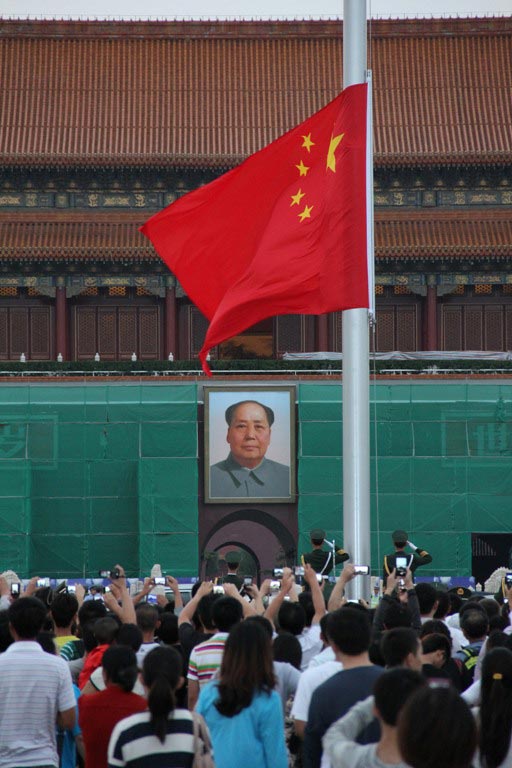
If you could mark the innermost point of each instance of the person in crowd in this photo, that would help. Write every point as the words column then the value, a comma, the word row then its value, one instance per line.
column 415, row 559
column 64, row 611
column 241, row 707
column 74, row 649
column 36, row 692
column 391, row 692
column 291, row 615
column 398, row 607
column 348, row 630
column 495, row 713
column 206, row 657
column 436, row 651
column 195, row 624
column 441, row 614
column 322, row 560
column 428, row 600
column 400, row 647
column 99, row 713
column 148, row 621
column 163, row 735
column 127, row 635
column 475, row 626
column 436, row 729
column 286, row 647
column 453, row 668
column 105, row 631
column 233, row 559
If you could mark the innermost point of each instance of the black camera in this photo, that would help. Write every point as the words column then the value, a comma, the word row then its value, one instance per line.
column 115, row 573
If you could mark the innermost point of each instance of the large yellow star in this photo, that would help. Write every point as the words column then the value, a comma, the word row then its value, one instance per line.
column 331, row 159
column 307, row 143
column 306, row 213
column 297, row 198
column 303, row 169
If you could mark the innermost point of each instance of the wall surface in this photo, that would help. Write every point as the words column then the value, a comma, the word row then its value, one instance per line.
column 97, row 473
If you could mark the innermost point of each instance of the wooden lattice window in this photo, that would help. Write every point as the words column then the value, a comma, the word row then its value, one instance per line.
column 379, row 290
column 117, row 290
column 142, row 291
column 91, row 291
column 401, row 290
column 507, row 289
column 8, row 290
column 483, row 290
column 459, row 290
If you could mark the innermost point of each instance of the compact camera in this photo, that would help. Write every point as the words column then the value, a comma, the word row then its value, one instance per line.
column 115, row 573
column 364, row 570
column 43, row 582
column 218, row 589
column 275, row 586
column 160, row 581
column 278, row 573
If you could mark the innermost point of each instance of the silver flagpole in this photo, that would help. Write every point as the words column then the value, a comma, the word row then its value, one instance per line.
column 356, row 416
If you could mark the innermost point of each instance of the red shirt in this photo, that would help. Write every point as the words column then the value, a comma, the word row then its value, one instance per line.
column 98, row 714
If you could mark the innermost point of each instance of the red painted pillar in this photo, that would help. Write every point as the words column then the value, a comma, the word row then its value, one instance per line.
column 61, row 319
column 431, row 344
column 170, row 324
column 322, row 333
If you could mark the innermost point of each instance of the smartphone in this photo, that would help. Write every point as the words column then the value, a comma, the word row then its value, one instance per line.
column 71, row 588
column 160, row 581
column 107, row 589
column 401, row 562
column 364, row 570
column 43, row 582
column 278, row 573
column 508, row 579
column 275, row 585
column 299, row 570
column 115, row 573
column 218, row 589
column 247, row 581
column 15, row 589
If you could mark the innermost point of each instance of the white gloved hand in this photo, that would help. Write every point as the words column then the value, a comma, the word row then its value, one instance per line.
column 412, row 545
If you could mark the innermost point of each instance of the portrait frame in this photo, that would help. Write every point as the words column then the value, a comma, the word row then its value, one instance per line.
column 223, row 478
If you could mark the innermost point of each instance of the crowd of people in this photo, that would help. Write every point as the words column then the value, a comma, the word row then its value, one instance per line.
column 273, row 675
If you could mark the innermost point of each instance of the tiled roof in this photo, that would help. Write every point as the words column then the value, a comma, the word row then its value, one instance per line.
column 108, row 237
column 210, row 93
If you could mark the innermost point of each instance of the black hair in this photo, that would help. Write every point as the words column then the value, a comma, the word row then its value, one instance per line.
column 436, row 729
column 349, row 630
column 6, row 638
column 496, row 707
column 396, row 614
column 130, row 635
column 400, row 544
column 443, row 607
column 496, row 639
column 88, row 636
column 120, row 665
column 498, row 623
column 396, row 644
column 306, row 600
column 161, row 671
column 392, row 689
column 226, row 612
column 436, row 642
column 286, row 647
column 105, row 630
column 204, row 610
column 232, row 408
column 436, row 626
column 427, row 596
column 168, row 629
column 263, row 622
column 47, row 642
column 246, row 668
column 147, row 617
column 91, row 610
column 317, row 542
column 27, row 617
column 291, row 618
column 474, row 624
column 490, row 606
column 64, row 608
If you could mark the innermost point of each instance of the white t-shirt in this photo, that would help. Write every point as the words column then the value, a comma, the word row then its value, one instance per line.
column 310, row 643
column 309, row 681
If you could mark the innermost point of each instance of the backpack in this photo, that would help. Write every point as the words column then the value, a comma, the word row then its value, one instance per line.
column 203, row 754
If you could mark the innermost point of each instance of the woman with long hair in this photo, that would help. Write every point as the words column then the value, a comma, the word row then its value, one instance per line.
column 495, row 714
column 163, row 736
column 241, row 708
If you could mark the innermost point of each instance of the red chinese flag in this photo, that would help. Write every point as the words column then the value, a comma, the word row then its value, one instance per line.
column 282, row 233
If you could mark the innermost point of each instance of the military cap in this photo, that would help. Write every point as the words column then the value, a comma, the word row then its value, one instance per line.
column 317, row 534
column 399, row 536
column 233, row 556
column 463, row 592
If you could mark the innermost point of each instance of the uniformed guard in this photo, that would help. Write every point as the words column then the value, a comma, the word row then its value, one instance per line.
column 233, row 558
column 321, row 560
column 414, row 560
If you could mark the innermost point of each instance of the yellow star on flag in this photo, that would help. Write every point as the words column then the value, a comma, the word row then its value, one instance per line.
column 306, row 213
column 331, row 159
column 307, row 143
column 297, row 198
column 303, row 169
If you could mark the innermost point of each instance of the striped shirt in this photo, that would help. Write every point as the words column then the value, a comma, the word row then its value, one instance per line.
column 133, row 744
column 34, row 687
column 206, row 659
